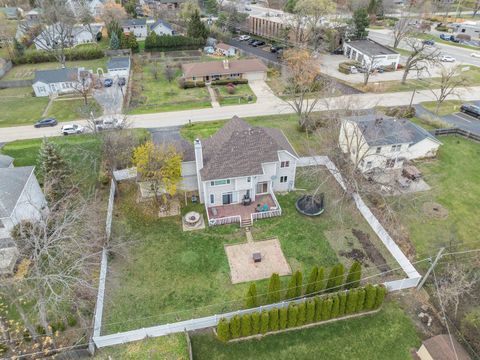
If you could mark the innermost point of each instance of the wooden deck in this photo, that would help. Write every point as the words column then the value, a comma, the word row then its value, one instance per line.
column 239, row 209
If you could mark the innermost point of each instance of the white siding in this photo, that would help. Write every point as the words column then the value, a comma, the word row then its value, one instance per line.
column 162, row 30
column 257, row 75
column 423, row 149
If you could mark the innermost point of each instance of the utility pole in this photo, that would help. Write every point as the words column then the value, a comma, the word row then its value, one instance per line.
column 439, row 255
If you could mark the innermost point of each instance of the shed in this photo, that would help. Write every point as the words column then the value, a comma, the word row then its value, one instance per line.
column 371, row 54
column 118, row 66
column 440, row 348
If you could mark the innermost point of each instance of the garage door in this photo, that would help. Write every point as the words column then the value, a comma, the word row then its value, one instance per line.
column 260, row 75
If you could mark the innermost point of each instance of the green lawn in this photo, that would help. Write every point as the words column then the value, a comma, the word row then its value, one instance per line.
column 152, row 95
column 20, row 107
column 455, row 181
column 241, row 95
column 68, row 110
column 172, row 347
column 447, row 107
column 27, row 71
column 387, row 335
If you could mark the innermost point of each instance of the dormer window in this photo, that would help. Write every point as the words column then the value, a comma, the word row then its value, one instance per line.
column 379, row 150
column 285, row 164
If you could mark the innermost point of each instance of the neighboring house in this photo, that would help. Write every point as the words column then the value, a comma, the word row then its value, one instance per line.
column 80, row 34
column 166, row 4
column 11, row 13
column 440, row 348
column 250, row 69
column 31, row 21
column 469, row 28
column 118, row 66
column 225, row 49
column 375, row 142
column 137, row 27
column 371, row 54
column 239, row 162
column 53, row 82
column 6, row 161
column 21, row 197
column 33, row 15
column 161, row 27
column 95, row 6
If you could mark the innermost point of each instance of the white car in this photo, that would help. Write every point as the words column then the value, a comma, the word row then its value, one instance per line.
column 476, row 55
column 72, row 129
column 447, row 58
column 244, row 37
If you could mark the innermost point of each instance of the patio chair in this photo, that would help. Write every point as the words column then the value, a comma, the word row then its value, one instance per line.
column 265, row 207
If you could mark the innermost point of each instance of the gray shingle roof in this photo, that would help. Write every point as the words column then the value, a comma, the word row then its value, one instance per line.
column 241, row 66
column 384, row 130
column 239, row 149
column 56, row 75
column 12, row 183
column 5, row 161
column 161, row 22
column 370, row 47
column 119, row 63
column 134, row 22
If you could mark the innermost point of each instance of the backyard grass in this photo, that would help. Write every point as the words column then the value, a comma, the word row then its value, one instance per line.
column 172, row 347
column 447, row 107
column 19, row 107
column 455, row 181
column 387, row 334
column 67, row 110
column 152, row 95
column 242, row 94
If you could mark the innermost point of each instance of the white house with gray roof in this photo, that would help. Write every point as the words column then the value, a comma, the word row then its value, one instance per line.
column 382, row 142
column 48, row 82
column 161, row 27
column 79, row 34
column 137, row 27
column 118, row 66
column 371, row 54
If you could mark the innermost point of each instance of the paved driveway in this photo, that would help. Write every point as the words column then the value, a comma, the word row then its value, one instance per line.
column 110, row 98
column 262, row 91
column 263, row 53
column 459, row 120
column 166, row 135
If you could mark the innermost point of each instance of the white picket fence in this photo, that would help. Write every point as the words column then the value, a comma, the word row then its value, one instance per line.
column 412, row 279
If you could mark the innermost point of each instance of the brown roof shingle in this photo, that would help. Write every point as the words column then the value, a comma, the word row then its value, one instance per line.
column 217, row 67
column 440, row 348
column 238, row 149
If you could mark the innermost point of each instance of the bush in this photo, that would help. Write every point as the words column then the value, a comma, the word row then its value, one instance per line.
column 360, row 300
column 343, row 303
column 320, row 282
column 246, row 325
column 327, row 309
column 231, row 89
column 381, row 292
column 273, row 294
column 339, row 278
column 264, row 322
column 302, row 313
column 229, row 81
column 370, row 296
column 335, row 306
column 318, row 308
column 283, row 318
column 310, row 315
column 235, row 327
column 255, row 323
column 442, row 28
column 223, row 330
column 292, row 315
column 40, row 56
column 331, row 278
column 354, row 275
column 251, row 298
column 401, row 111
column 184, row 84
column 344, row 67
column 470, row 326
column 292, row 287
column 273, row 315
column 352, row 298
column 154, row 42
column 311, row 282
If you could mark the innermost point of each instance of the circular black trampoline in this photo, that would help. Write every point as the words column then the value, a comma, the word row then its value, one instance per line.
column 310, row 205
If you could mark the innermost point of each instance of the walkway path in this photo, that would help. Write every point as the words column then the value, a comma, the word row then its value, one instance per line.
column 213, row 97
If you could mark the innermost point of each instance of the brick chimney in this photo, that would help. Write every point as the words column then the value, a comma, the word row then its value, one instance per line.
column 226, row 64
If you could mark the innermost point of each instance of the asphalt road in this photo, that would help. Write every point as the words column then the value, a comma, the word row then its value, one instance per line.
column 458, row 120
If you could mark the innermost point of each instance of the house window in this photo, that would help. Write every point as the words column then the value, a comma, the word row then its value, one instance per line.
column 390, row 163
column 283, row 179
column 212, row 198
column 249, row 179
column 369, row 164
column 285, row 164
column 379, row 150
column 220, row 182
column 396, row 148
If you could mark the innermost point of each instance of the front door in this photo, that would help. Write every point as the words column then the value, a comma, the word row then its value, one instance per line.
column 262, row 187
column 227, row 198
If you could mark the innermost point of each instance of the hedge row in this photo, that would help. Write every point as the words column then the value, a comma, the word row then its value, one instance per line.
column 166, row 42
column 188, row 84
column 229, row 81
column 39, row 56
column 312, row 310
column 344, row 67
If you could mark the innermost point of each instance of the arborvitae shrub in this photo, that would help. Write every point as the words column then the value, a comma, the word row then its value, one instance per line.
column 302, row 313
column 255, row 323
column 223, row 330
column 370, row 296
column 343, row 303
column 320, row 283
column 352, row 297
column 360, row 300
column 251, row 298
column 273, row 295
column 298, row 284
column 292, row 315
column 292, row 287
column 335, row 306
column 318, row 308
column 310, row 315
column 235, row 327
column 264, row 321
column 331, row 278
column 274, row 317
column 327, row 309
column 311, row 282
column 381, row 292
column 283, row 321
column 246, row 326
column 339, row 279
column 354, row 275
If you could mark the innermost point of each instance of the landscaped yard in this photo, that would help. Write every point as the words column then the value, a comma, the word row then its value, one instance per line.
column 150, row 95
column 387, row 335
column 243, row 95
column 20, row 107
column 455, row 181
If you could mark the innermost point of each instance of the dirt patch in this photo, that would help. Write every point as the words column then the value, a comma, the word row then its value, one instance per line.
column 372, row 252
column 355, row 254
column 434, row 210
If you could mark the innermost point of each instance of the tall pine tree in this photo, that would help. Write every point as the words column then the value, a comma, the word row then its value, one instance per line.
column 114, row 41
column 196, row 28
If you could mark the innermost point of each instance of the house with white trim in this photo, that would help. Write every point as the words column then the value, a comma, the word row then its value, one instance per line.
column 137, row 27
column 80, row 34
column 371, row 54
column 385, row 143
column 161, row 27
column 118, row 66
column 225, row 49
column 57, row 81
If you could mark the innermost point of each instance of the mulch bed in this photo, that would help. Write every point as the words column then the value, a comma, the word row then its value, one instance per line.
column 372, row 252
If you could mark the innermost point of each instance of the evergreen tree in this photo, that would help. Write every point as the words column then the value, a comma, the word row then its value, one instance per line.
column 251, row 298
column 274, row 315
column 320, row 282
column 292, row 315
column 326, row 308
column 113, row 27
column 360, row 300
column 335, row 306
column 54, row 172
column 133, row 44
column 114, row 42
column 343, row 303
column 223, row 330
column 339, row 278
column 354, row 275
column 312, row 281
column 381, row 292
column 19, row 47
column 302, row 313
column 273, row 295
column 255, row 323
column 292, row 287
column 235, row 327
column 310, row 315
column 318, row 308
column 283, row 318
column 264, row 322
column 361, row 21
column 152, row 40
column 298, row 284
column 352, row 298
column 331, row 278
column 246, row 326
column 290, row 6
column 196, row 28
column 370, row 296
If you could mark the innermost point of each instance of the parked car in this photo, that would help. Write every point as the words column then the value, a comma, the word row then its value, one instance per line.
column 248, row 8
column 108, row 82
column 454, row 39
column 72, row 129
column 446, row 37
column 471, row 110
column 122, row 81
column 447, row 58
column 475, row 55
column 275, row 48
column 251, row 41
column 258, row 43
column 46, row 122
column 244, row 37
column 108, row 123
column 429, row 42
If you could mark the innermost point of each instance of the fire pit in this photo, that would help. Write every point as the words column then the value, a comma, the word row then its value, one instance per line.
column 192, row 218
column 310, row 205
column 257, row 257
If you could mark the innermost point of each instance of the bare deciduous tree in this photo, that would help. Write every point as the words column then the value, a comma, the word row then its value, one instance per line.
column 154, row 70
column 169, row 72
column 451, row 80
column 421, row 57
column 401, row 30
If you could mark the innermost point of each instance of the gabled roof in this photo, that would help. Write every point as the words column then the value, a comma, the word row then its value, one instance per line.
column 440, row 348
column 239, row 149
column 224, row 46
column 12, row 183
column 161, row 22
column 218, row 68
column 385, row 130
column 119, row 63
column 56, row 75
column 5, row 161
column 134, row 22
column 370, row 47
